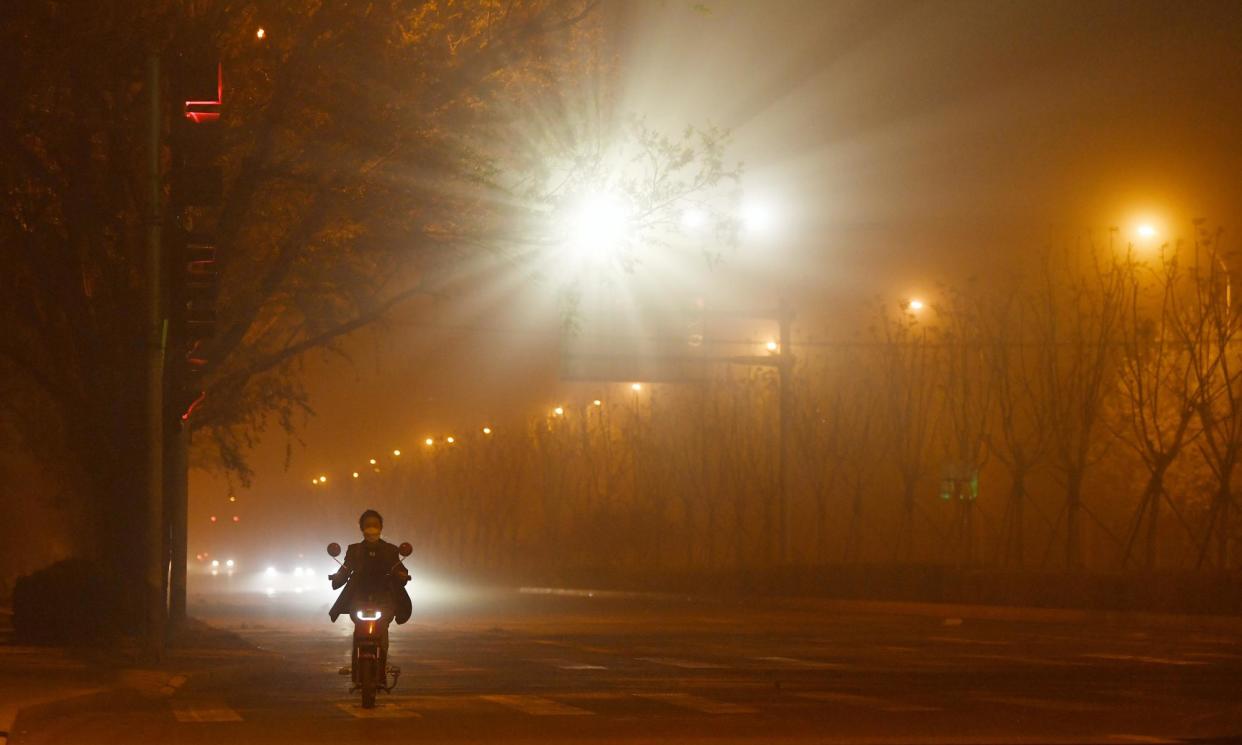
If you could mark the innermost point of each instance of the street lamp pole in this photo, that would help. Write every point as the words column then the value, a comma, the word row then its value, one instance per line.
column 785, row 371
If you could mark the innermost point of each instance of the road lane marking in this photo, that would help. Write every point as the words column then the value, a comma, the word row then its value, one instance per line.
column 535, row 705
column 1142, row 658
column 686, row 664
column 216, row 712
column 697, row 703
column 449, row 666
column 809, row 664
column 1039, row 661
column 1043, row 703
column 961, row 640
column 384, row 710
column 870, row 702
column 566, row 664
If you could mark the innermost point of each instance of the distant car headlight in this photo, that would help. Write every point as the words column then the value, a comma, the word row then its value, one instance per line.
column 368, row 615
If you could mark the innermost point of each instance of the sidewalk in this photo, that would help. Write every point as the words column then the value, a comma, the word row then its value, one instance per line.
column 32, row 676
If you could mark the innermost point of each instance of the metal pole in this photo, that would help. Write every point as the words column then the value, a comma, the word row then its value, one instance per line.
column 155, row 330
column 178, row 506
column 786, row 412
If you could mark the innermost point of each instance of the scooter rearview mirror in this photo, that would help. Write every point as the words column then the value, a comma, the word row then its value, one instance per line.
column 334, row 549
column 406, row 549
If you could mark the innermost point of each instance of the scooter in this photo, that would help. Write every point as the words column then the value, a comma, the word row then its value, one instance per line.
column 368, row 669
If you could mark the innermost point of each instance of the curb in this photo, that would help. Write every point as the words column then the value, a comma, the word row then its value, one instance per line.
column 946, row 611
column 146, row 682
column 1025, row 614
column 9, row 715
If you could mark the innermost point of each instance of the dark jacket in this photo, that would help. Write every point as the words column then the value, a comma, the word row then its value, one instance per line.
column 366, row 574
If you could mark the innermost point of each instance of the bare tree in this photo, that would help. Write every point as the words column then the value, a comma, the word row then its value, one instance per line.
column 968, row 396
column 909, row 375
column 1161, row 392
column 1212, row 331
column 1079, row 310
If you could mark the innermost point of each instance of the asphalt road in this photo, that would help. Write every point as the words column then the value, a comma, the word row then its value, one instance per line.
column 508, row 668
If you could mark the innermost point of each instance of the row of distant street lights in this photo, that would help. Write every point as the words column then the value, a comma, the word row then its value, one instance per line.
column 487, row 431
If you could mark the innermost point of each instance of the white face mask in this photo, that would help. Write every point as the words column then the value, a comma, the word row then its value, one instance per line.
column 371, row 532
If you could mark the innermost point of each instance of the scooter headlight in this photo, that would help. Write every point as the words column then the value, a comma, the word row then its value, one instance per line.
column 369, row 614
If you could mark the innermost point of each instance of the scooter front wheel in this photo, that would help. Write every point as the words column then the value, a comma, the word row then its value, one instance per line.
column 366, row 676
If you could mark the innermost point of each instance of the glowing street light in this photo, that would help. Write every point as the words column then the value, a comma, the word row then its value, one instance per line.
column 597, row 402
column 597, row 222
column 636, row 387
column 449, row 439
column 693, row 218
column 323, row 479
column 260, row 33
column 215, row 563
column 487, row 430
column 355, row 474
column 914, row 305
column 429, row 442
column 559, row 411
column 772, row 346
column 372, row 461
column 396, row 453
column 756, row 218
column 229, row 563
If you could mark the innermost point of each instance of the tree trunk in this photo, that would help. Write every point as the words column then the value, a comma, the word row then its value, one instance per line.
column 1073, row 507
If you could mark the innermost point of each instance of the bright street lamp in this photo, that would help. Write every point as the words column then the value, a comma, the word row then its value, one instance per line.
column 598, row 222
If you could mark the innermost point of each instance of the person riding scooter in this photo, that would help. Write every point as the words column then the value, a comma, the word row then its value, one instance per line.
column 372, row 571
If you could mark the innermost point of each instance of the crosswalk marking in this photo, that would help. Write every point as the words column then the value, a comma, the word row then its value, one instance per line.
column 535, row 705
column 206, row 713
column 383, row 710
column 865, row 701
column 687, row 664
column 697, row 703
column 809, row 664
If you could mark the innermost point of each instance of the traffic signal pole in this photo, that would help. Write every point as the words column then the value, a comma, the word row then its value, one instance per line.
column 155, row 336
